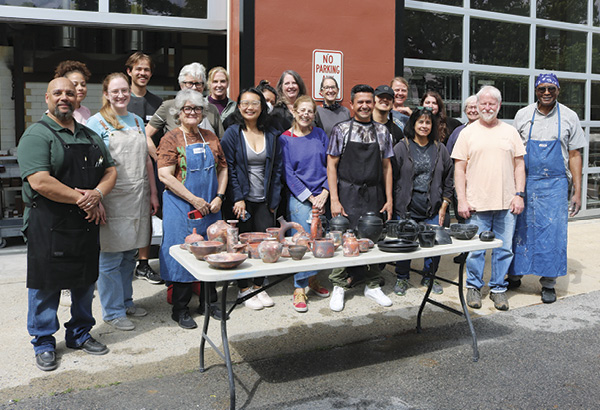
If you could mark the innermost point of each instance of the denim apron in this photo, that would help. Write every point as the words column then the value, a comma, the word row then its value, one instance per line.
column 540, row 240
column 200, row 178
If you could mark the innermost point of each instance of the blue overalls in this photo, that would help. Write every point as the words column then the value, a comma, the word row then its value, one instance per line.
column 540, row 240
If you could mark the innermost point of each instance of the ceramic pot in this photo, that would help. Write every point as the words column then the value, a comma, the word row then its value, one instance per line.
column 487, row 236
column 252, row 249
column 406, row 224
column 194, row 237
column 233, row 233
column 203, row 248
column 316, row 227
column 370, row 226
column 270, row 250
column 301, row 238
column 427, row 239
column 253, row 237
column 273, row 232
column 363, row 245
column 286, row 226
column 323, row 248
column 350, row 246
column 339, row 223
column 218, row 231
column 391, row 228
column 336, row 236
column 297, row 251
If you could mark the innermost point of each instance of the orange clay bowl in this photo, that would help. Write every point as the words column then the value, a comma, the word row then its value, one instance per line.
column 201, row 249
column 253, row 237
column 225, row 260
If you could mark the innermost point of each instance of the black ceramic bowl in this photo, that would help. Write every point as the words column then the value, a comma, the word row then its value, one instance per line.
column 409, row 236
column 463, row 231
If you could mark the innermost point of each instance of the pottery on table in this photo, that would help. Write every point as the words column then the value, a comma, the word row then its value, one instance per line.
column 270, row 250
column 316, row 227
column 487, row 236
column 286, row 226
column 194, row 237
column 406, row 224
column 253, row 237
column 218, row 231
column 392, row 228
column 463, row 231
column 427, row 239
column 273, row 232
column 239, row 248
column 203, row 248
column 252, row 249
column 301, row 238
column 285, row 250
column 225, row 260
column 323, row 248
column 232, row 235
column 409, row 236
column 363, row 245
column 297, row 251
column 339, row 223
column 441, row 236
column 336, row 236
column 370, row 226
column 350, row 246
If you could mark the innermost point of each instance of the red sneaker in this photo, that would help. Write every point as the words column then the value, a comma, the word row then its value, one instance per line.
column 315, row 287
column 299, row 302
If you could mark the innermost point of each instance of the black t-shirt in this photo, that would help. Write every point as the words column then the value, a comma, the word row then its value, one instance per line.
column 144, row 106
column 423, row 158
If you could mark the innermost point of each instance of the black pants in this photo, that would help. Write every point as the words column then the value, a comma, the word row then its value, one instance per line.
column 182, row 294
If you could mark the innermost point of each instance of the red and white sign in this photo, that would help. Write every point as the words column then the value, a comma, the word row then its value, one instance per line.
column 327, row 63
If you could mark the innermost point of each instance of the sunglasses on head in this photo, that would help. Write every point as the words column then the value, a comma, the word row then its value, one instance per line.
column 550, row 89
column 421, row 108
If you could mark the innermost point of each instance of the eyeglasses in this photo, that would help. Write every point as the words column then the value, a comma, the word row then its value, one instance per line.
column 330, row 87
column 188, row 109
column 421, row 108
column 115, row 93
column 193, row 84
column 550, row 89
column 251, row 103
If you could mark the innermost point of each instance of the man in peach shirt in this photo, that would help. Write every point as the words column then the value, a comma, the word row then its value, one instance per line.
column 489, row 177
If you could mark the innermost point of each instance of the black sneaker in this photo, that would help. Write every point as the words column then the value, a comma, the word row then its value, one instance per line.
column 548, row 295
column 146, row 272
column 436, row 288
column 46, row 361
column 91, row 346
column 184, row 320
column 513, row 284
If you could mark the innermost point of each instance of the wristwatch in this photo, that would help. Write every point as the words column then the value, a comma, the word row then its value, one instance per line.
column 221, row 197
column 521, row 194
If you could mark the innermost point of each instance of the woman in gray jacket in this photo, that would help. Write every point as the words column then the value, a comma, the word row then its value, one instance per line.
column 423, row 185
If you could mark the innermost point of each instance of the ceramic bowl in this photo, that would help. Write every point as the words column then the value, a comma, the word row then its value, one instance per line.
column 253, row 237
column 225, row 260
column 297, row 251
column 463, row 231
column 201, row 249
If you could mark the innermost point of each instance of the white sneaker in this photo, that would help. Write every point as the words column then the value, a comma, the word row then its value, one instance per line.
column 378, row 296
column 337, row 299
column 254, row 302
column 265, row 299
column 65, row 297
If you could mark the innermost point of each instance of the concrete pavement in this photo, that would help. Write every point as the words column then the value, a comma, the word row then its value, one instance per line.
column 159, row 348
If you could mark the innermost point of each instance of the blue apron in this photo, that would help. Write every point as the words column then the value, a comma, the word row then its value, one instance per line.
column 200, row 178
column 540, row 240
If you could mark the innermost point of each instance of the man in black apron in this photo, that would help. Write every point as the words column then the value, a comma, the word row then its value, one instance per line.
column 66, row 171
column 359, row 173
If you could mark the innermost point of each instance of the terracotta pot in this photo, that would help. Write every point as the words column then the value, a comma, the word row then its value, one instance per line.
column 286, row 226
column 301, row 238
column 273, row 232
column 316, row 227
column 233, row 233
column 253, row 237
column 225, row 260
column 194, row 237
column 252, row 249
column 285, row 250
column 336, row 236
column 270, row 250
column 363, row 244
column 201, row 249
column 323, row 248
column 350, row 246
column 218, row 231
column 297, row 252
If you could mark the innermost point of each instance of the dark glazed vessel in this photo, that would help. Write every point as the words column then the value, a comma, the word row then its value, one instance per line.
column 487, row 236
column 405, row 224
column 339, row 223
column 370, row 226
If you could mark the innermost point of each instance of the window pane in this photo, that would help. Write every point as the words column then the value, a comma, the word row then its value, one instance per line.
column 445, row 82
column 560, row 50
column 593, row 190
column 572, row 94
column 88, row 5
column 596, row 11
column 596, row 53
column 443, row 43
column 513, row 88
column 175, row 8
column 595, row 103
column 519, row 7
column 594, row 157
column 497, row 43
column 447, row 2
column 572, row 11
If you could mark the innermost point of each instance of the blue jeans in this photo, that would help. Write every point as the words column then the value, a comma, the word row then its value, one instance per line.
column 502, row 223
column 430, row 265
column 42, row 321
column 114, row 283
column 300, row 212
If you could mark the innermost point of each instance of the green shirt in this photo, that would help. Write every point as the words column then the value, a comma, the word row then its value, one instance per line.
column 39, row 150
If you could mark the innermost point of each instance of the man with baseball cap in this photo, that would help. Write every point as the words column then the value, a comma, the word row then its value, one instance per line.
column 553, row 137
column 384, row 102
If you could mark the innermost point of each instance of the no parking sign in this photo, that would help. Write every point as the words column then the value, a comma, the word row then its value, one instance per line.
column 327, row 63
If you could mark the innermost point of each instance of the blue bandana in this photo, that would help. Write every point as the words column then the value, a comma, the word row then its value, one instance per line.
column 548, row 78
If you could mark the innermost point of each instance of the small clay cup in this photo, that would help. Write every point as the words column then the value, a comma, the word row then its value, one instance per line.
column 297, row 251
column 427, row 239
column 363, row 245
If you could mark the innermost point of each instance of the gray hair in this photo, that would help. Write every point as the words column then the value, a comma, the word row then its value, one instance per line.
column 184, row 96
column 472, row 99
column 195, row 70
column 492, row 91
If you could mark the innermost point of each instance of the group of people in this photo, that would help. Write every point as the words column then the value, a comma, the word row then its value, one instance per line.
column 91, row 189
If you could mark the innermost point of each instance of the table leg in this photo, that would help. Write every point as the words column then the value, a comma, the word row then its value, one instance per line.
column 461, row 271
column 425, row 299
column 206, row 290
column 225, row 342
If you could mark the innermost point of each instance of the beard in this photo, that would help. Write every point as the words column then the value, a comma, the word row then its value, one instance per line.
column 64, row 116
column 488, row 116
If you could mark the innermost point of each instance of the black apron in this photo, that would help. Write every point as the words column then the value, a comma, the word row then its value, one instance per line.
column 360, row 178
column 63, row 249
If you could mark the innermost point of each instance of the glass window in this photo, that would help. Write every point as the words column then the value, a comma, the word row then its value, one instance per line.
column 433, row 36
column 596, row 12
column 514, row 89
column 175, row 8
column 445, row 82
column 498, row 43
column 593, row 191
column 572, row 11
column 88, row 5
column 572, row 94
column 519, row 7
column 596, row 53
column 561, row 50
column 458, row 3
column 594, row 148
column 595, row 103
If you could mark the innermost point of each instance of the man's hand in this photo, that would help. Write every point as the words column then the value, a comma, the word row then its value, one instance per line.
column 337, row 209
column 319, row 200
column 464, row 209
column 516, row 205
column 389, row 208
column 575, row 205
column 89, row 199
column 215, row 205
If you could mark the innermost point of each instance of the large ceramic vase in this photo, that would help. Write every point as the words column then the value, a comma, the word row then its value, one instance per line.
column 370, row 226
column 270, row 250
column 218, row 231
column 194, row 237
column 316, row 227
column 350, row 246
column 339, row 223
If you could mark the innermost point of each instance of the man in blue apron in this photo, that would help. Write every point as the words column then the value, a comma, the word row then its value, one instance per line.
column 553, row 136
column 359, row 173
column 66, row 171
